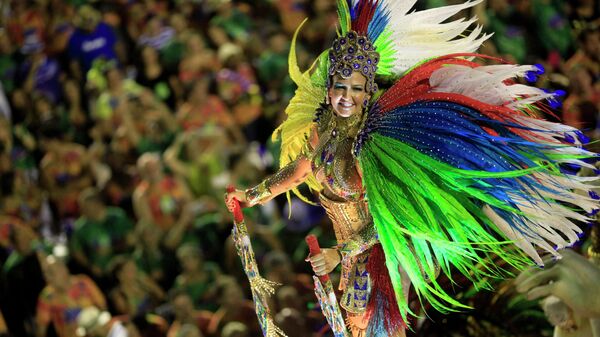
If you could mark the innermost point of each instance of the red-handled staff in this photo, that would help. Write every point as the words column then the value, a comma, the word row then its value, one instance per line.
column 315, row 249
column 261, row 288
column 326, row 294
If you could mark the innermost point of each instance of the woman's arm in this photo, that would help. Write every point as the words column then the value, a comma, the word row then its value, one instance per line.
column 171, row 157
column 287, row 178
column 283, row 180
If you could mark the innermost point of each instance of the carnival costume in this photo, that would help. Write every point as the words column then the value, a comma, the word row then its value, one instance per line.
column 439, row 173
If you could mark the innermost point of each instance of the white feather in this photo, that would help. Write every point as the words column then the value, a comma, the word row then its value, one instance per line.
column 517, row 238
column 488, row 84
column 419, row 35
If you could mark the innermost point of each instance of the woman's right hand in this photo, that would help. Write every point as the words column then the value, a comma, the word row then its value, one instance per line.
column 238, row 195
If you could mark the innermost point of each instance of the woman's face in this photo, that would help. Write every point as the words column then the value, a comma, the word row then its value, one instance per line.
column 347, row 95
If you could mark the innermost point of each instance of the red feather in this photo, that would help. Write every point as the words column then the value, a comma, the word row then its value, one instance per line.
column 364, row 15
column 382, row 287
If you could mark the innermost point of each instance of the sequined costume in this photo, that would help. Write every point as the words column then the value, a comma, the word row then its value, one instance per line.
column 438, row 173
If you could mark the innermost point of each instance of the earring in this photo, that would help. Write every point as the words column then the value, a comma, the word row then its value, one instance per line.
column 365, row 103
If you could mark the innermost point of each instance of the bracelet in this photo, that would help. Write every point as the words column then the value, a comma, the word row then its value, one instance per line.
column 258, row 193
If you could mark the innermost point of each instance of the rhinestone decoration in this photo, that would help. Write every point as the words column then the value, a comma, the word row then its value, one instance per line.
column 354, row 52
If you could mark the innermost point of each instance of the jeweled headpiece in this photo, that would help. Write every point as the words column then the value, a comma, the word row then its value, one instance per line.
column 353, row 52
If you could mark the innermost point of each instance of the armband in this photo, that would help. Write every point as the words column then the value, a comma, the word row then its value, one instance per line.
column 258, row 193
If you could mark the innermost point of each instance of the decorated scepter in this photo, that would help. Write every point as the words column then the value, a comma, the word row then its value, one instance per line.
column 261, row 288
column 326, row 295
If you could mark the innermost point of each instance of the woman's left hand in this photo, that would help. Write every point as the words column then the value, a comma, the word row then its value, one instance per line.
column 325, row 262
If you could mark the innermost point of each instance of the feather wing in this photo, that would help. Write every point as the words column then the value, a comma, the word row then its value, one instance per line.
column 405, row 38
column 295, row 130
column 456, row 170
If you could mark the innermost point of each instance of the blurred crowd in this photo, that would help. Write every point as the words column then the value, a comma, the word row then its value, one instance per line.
column 122, row 123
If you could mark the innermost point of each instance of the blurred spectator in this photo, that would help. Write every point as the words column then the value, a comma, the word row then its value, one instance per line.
column 232, row 21
column 60, row 27
column 74, row 108
column 147, row 325
column 511, row 34
column 46, row 115
column 291, row 14
column 236, row 84
column 115, row 95
column 278, row 268
column 61, row 301
column 322, row 28
column 551, row 25
column 134, row 293
column 272, row 72
column 8, row 62
column 121, row 157
column 155, row 77
column 233, row 307
column 293, row 322
column 39, row 72
column 189, row 330
column 185, row 314
column 6, row 144
column 197, row 60
column 582, row 106
column 584, row 13
column 588, row 54
column 21, row 278
column 156, row 35
column 136, row 19
column 92, row 39
column 24, row 16
column 235, row 329
column 149, row 125
column 150, row 256
column 20, row 106
column 199, row 158
column 172, row 53
column 64, row 171
column 197, row 277
column 100, row 233
column 92, row 322
column 159, row 198
column 5, row 109
column 203, row 107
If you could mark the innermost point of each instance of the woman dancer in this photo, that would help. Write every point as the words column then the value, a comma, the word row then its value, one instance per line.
column 436, row 174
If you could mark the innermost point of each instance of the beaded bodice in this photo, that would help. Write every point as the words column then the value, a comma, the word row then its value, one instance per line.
column 333, row 164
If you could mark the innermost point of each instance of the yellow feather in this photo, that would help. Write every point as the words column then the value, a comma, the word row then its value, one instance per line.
column 295, row 130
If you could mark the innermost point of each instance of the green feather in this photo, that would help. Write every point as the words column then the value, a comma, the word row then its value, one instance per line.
column 434, row 219
column 344, row 16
